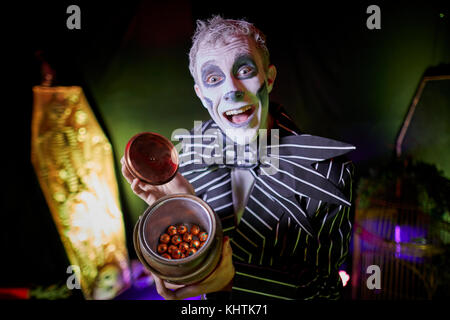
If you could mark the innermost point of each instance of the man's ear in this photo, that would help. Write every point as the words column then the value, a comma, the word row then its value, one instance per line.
column 271, row 75
column 198, row 92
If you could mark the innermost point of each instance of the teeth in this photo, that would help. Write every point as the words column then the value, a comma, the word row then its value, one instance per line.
column 237, row 111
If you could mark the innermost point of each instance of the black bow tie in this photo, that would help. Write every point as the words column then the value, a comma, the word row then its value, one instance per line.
column 285, row 166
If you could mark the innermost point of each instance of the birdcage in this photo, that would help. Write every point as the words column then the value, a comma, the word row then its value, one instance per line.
column 402, row 212
column 406, row 244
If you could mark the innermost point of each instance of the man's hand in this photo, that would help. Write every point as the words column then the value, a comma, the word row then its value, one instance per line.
column 219, row 280
column 150, row 193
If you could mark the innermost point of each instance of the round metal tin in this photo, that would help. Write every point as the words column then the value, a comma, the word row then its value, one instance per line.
column 175, row 209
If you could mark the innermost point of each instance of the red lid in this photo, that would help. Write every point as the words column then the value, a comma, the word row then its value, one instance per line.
column 151, row 158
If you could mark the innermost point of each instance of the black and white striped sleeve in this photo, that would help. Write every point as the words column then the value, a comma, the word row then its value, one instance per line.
column 333, row 239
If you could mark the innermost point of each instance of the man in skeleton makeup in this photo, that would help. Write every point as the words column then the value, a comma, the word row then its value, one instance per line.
column 286, row 221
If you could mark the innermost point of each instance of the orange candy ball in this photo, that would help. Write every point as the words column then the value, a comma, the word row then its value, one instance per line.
column 187, row 237
column 172, row 230
column 171, row 249
column 203, row 236
column 176, row 239
column 182, row 229
column 191, row 251
column 184, row 246
column 176, row 254
column 195, row 244
column 165, row 238
column 162, row 248
column 195, row 230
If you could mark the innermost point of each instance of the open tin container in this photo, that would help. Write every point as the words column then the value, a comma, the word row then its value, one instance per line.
column 172, row 210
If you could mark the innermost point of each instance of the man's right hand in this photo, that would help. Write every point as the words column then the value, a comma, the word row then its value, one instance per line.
column 150, row 193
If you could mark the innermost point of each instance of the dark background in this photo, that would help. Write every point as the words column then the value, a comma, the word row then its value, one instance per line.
column 336, row 78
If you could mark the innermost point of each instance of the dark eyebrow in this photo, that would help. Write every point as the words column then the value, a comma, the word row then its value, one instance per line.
column 209, row 68
column 244, row 58
column 206, row 63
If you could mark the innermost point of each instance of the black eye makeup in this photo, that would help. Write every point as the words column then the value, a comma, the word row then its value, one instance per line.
column 245, row 67
column 212, row 75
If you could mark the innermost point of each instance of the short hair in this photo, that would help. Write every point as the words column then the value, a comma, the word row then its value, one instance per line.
column 219, row 30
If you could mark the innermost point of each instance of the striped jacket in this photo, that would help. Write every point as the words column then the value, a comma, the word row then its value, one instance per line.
column 287, row 245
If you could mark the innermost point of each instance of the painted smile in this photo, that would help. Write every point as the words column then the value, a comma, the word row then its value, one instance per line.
column 240, row 116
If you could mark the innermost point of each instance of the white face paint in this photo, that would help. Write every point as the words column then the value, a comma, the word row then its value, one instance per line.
column 232, row 85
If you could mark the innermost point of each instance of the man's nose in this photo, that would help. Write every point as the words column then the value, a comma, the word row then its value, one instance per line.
column 233, row 96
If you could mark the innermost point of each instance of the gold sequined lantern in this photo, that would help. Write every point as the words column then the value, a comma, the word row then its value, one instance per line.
column 73, row 161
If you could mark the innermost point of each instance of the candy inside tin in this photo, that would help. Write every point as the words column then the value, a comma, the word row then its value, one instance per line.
column 182, row 243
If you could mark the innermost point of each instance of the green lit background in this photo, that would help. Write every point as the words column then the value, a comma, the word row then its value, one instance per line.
column 337, row 78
